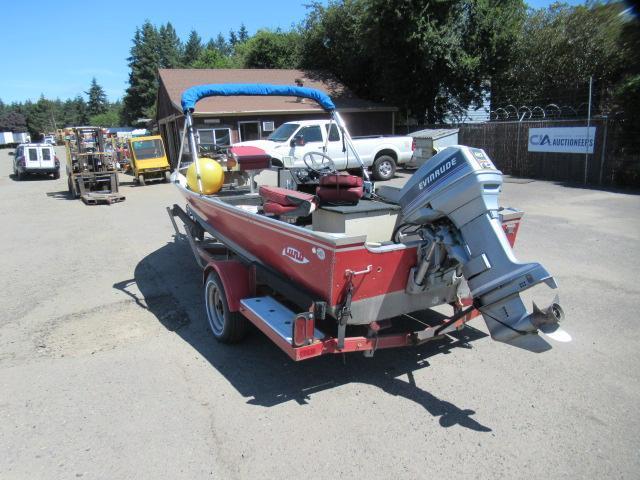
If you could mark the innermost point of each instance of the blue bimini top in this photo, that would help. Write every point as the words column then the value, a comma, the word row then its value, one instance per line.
column 192, row 95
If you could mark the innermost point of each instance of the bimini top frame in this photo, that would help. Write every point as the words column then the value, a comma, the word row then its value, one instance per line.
column 192, row 95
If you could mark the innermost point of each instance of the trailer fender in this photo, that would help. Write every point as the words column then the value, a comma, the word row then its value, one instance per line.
column 237, row 280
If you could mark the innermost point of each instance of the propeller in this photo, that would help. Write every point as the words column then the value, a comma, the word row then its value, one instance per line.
column 548, row 321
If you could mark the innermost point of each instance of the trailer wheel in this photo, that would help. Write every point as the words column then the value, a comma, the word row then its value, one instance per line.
column 226, row 326
column 384, row 168
column 141, row 180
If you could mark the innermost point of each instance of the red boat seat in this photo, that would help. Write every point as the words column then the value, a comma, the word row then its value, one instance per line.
column 250, row 158
column 340, row 188
column 288, row 203
column 342, row 179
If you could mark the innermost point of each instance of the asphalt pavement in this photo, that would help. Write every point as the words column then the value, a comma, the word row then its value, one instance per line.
column 108, row 371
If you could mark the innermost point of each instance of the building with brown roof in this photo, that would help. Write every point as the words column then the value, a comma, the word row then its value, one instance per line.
column 226, row 120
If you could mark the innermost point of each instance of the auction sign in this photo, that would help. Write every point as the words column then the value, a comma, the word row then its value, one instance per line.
column 562, row 139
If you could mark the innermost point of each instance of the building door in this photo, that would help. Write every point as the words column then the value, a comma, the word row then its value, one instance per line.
column 249, row 131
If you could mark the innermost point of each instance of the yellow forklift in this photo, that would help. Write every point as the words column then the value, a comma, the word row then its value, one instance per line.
column 91, row 167
column 148, row 159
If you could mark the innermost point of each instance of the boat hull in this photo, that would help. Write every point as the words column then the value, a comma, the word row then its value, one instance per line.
column 326, row 265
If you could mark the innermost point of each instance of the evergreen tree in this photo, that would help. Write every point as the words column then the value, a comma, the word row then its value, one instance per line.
column 67, row 117
column 39, row 118
column 233, row 38
column 97, row 102
column 79, row 111
column 192, row 49
column 221, row 45
column 11, row 121
column 243, row 34
column 170, row 47
column 144, row 61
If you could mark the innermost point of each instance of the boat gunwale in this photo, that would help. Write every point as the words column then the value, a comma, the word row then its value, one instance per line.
column 321, row 238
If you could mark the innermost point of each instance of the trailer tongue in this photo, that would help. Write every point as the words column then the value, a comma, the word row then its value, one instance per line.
column 316, row 286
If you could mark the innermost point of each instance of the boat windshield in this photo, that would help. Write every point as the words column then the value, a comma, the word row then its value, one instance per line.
column 283, row 132
column 145, row 149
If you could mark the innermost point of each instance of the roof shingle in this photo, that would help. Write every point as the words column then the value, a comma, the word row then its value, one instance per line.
column 176, row 81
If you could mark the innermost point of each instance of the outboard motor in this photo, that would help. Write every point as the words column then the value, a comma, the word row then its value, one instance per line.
column 454, row 199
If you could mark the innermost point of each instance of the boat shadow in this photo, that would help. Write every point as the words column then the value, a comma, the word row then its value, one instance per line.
column 168, row 283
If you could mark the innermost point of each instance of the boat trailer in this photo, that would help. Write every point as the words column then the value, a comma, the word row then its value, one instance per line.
column 301, row 335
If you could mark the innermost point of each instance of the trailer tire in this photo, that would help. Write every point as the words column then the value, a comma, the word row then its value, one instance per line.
column 226, row 326
column 384, row 168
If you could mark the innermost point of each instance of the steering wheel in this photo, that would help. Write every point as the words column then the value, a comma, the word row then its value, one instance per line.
column 323, row 165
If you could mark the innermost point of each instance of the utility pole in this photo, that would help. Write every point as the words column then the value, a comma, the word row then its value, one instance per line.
column 586, row 154
column 53, row 121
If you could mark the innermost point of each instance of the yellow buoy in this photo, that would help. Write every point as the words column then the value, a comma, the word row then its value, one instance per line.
column 211, row 175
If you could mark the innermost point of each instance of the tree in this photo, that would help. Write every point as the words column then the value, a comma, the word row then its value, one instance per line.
column 139, row 99
column 233, row 39
column 212, row 58
column 221, row 45
column 74, row 112
column 170, row 47
column 559, row 49
column 11, row 121
column 269, row 49
column 243, row 34
column 626, row 94
column 110, row 118
column 39, row 118
column 427, row 57
column 97, row 99
column 192, row 49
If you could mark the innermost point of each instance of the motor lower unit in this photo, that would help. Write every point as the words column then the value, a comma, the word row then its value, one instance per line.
column 451, row 205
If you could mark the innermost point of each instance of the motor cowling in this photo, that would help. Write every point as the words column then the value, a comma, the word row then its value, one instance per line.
column 459, row 188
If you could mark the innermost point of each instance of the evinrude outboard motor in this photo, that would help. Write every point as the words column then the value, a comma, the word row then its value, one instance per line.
column 454, row 199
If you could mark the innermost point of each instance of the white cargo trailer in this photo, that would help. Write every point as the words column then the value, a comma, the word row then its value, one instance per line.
column 6, row 137
column 21, row 137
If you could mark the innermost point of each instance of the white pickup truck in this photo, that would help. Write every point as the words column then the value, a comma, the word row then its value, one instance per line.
column 290, row 141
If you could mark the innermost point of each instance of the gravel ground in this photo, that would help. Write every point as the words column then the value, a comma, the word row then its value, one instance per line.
column 107, row 369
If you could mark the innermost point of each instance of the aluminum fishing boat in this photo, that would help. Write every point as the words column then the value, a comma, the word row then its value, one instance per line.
column 344, row 268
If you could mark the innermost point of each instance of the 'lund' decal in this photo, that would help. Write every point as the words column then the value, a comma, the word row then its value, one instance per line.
column 294, row 254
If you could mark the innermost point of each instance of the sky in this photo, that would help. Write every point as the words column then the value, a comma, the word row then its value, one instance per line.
column 55, row 48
